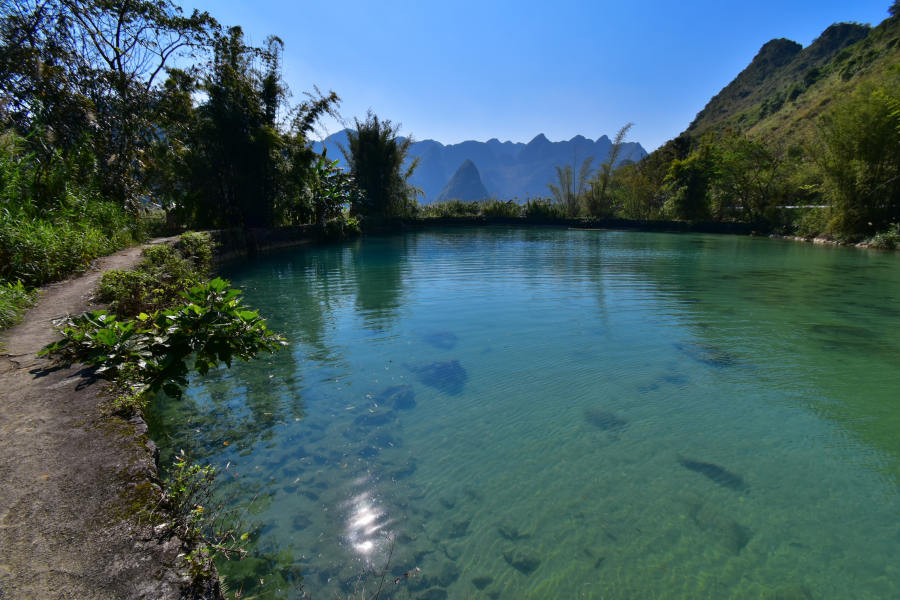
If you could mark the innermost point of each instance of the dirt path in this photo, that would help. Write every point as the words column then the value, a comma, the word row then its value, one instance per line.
column 71, row 480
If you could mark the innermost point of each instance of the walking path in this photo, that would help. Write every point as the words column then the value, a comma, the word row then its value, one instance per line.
column 72, row 481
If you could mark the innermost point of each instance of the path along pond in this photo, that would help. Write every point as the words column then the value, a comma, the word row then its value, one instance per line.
column 563, row 414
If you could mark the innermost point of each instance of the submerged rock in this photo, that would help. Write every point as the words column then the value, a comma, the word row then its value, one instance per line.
column 605, row 420
column 509, row 530
column 445, row 340
column 708, row 355
column 447, row 376
column 433, row 594
column 460, row 528
column 524, row 559
column 375, row 419
column 302, row 521
column 482, row 581
column 718, row 474
column 401, row 397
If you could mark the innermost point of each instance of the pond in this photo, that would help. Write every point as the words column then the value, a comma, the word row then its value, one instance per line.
column 550, row 413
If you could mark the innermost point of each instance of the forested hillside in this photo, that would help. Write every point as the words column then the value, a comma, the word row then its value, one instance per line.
column 803, row 141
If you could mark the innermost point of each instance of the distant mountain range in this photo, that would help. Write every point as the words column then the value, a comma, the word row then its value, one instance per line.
column 507, row 169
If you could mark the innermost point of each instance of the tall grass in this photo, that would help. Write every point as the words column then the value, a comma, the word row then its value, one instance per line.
column 53, row 222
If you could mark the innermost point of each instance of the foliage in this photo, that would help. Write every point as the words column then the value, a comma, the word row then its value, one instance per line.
column 159, row 279
column 212, row 328
column 376, row 155
column 53, row 221
column 569, row 188
column 14, row 299
column 857, row 149
column 330, row 190
column 889, row 239
column 89, row 70
column 543, row 208
column 201, row 519
column 599, row 198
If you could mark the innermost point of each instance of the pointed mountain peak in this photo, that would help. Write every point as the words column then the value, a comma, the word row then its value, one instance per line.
column 465, row 185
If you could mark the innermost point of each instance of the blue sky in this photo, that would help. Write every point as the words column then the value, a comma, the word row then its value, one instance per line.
column 474, row 70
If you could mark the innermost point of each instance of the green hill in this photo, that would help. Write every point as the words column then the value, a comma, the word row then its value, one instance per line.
column 786, row 85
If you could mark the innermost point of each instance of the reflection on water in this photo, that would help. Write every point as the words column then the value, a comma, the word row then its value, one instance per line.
column 549, row 414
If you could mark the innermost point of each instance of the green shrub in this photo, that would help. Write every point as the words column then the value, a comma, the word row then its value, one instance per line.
column 52, row 223
column 889, row 239
column 543, row 208
column 14, row 299
column 151, row 353
column 497, row 208
column 159, row 279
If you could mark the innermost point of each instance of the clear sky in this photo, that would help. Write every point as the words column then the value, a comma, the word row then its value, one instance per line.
column 473, row 70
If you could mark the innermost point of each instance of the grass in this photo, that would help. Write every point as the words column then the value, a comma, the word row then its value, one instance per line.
column 53, row 223
column 14, row 299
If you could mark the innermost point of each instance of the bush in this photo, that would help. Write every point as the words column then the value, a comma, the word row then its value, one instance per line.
column 159, row 279
column 542, row 208
column 889, row 239
column 14, row 299
column 51, row 224
column 151, row 353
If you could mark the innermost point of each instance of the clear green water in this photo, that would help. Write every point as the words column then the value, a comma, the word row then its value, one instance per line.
column 551, row 460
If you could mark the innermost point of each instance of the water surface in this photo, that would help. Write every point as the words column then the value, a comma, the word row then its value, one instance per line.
column 564, row 414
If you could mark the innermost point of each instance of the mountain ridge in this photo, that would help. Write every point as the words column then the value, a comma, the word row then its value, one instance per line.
column 507, row 169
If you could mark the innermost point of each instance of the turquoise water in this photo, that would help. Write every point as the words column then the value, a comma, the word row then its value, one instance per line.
column 564, row 414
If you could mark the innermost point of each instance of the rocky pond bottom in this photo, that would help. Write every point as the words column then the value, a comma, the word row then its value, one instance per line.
column 562, row 414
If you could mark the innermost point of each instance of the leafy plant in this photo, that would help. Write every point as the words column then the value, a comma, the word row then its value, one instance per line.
column 201, row 519
column 213, row 328
column 330, row 189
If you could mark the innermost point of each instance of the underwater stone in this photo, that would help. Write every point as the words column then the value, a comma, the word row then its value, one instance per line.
column 460, row 528
column 482, row 581
column 718, row 474
column 451, row 552
column 302, row 521
column 708, row 355
column 408, row 469
column 604, row 420
column 401, row 397
column 445, row 340
column 368, row 452
column 524, row 559
column 433, row 594
column 448, row 501
column 508, row 530
column 447, row 376
column 448, row 574
column 375, row 419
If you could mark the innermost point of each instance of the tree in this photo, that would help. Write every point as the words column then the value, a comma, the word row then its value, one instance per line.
column 245, row 167
column 749, row 173
column 376, row 157
column 600, row 197
column 568, row 189
column 90, row 68
column 689, row 181
column 857, row 150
